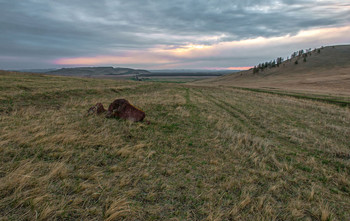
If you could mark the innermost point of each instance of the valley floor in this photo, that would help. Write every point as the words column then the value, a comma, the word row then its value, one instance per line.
column 209, row 153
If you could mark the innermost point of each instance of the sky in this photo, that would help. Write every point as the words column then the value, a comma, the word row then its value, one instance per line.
column 165, row 34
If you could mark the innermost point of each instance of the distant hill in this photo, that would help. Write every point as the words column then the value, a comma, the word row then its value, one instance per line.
column 197, row 71
column 322, row 70
column 97, row 71
column 187, row 72
column 35, row 70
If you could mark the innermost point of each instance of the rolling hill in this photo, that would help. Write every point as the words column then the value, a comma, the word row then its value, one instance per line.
column 326, row 70
column 97, row 71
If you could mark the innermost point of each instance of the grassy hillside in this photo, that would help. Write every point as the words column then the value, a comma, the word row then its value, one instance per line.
column 324, row 72
column 209, row 153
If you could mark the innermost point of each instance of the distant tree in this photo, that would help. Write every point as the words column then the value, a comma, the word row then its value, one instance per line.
column 279, row 61
column 296, row 62
column 304, row 59
column 318, row 50
column 273, row 63
column 301, row 52
column 255, row 70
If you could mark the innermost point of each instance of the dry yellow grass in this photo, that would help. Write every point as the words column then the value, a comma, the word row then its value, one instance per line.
column 208, row 154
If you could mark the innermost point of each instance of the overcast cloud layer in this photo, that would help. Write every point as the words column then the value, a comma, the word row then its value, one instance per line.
column 165, row 34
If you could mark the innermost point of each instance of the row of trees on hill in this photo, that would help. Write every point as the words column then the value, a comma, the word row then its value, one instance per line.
column 277, row 62
column 270, row 64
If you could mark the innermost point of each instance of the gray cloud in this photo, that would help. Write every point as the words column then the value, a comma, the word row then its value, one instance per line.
column 45, row 30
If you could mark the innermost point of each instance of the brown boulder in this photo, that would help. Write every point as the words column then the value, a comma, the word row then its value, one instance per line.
column 97, row 109
column 121, row 108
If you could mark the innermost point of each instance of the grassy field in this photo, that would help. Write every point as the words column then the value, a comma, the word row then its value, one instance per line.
column 209, row 153
column 342, row 100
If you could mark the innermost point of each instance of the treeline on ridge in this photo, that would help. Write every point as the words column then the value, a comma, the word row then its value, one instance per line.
column 277, row 62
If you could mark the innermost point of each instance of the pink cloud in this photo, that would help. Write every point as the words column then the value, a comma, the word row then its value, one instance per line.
column 104, row 60
column 201, row 56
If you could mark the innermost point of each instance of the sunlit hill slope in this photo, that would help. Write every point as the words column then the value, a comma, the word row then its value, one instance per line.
column 324, row 70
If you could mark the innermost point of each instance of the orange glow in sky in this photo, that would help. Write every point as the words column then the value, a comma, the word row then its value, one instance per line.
column 188, row 48
column 192, row 54
column 238, row 68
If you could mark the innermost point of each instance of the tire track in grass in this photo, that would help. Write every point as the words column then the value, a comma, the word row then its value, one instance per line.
column 253, row 127
column 330, row 100
column 286, row 147
column 197, row 122
column 259, row 128
column 293, row 120
column 284, row 140
column 222, row 105
column 239, row 122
